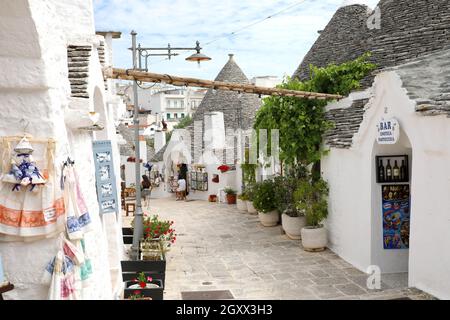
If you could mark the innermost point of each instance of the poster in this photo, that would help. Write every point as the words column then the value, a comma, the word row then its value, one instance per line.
column 396, row 216
column 104, row 176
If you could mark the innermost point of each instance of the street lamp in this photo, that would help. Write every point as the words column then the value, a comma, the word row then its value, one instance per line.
column 143, row 52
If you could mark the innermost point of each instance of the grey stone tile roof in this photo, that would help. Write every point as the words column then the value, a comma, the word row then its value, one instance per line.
column 408, row 29
column 128, row 136
column 427, row 82
column 413, row 39
column 101, row 57
column 346, row 123
column 239, row 109
column 78, row 64
column 150, row 153
column 159, row 155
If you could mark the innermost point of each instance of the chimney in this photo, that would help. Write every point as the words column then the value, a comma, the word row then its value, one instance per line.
column 231, row 56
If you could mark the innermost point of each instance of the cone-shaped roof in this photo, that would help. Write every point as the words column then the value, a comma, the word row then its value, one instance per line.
column 238, row 109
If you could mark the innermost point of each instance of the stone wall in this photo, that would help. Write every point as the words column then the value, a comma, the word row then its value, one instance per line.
column 41, row 96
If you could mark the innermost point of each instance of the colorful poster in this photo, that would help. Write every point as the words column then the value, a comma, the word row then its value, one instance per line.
column 396, row 214
column 106, row 180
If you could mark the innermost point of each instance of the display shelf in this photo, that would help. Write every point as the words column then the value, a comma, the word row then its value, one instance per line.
column 392, row 169
column 199, row 181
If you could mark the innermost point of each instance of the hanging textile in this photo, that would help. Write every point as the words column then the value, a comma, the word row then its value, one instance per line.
column 31, row 202
column 77, row 214
column 69, row 271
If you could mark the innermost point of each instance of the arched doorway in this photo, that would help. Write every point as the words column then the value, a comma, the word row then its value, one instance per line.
column 391, row 206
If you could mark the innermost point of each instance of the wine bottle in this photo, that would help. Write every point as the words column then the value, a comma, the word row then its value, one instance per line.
column 381, row 173
column 389, row 171
column 396, row 172
column 403, row 171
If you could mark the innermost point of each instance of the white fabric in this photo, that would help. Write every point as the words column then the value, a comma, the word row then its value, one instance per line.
column 181, row 185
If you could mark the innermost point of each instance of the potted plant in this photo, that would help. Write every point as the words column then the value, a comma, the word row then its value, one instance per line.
column 242, row 202
column 231, row 195
column 160, row 231
column 311, row 197
column 223, row 168
column 292, row 219
column 143, row 287
column 264, row 202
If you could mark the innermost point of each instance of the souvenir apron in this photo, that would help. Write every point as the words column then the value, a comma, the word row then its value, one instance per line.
column 31, row 202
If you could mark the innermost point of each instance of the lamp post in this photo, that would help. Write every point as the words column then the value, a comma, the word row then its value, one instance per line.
column 139, row 53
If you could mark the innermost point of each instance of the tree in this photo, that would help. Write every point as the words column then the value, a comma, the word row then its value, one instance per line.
column 301, row 121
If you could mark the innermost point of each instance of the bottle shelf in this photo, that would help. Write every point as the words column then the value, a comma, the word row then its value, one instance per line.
column 392, row 169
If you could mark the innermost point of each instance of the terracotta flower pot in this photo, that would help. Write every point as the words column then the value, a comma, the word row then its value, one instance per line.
column 231, row 198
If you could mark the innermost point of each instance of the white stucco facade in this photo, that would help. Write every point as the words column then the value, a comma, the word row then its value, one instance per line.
column 355, row 216
column 35, row 89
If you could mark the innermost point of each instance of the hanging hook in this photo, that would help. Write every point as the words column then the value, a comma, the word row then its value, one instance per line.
column 26, row 123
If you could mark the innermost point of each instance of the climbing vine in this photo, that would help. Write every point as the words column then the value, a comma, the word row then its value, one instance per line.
column 301, row 122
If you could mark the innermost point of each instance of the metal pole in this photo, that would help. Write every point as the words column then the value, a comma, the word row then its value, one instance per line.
column 138, row 216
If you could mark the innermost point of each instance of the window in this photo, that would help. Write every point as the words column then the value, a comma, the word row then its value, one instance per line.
column 176, row 115
column 182, row 115
column 182, row 103
column 175, row 103
column 193, row 102
column 168, row 116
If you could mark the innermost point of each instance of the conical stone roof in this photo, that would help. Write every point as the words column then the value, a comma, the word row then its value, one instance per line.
column 238, row 109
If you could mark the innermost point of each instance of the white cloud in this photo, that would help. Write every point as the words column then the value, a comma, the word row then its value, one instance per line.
column 273, row 47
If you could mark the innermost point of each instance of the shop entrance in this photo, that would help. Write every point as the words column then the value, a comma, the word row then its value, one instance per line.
column 391, row 202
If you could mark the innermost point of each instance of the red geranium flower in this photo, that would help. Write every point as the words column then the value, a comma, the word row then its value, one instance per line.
column 223, row 168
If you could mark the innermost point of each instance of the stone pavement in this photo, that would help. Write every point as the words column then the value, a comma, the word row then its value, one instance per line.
column 219, row 248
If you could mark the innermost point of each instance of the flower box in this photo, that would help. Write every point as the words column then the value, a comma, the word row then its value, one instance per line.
column 155, row 293
column 155, row 269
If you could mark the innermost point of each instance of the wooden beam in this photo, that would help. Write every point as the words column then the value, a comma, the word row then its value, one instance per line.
column 115, row 73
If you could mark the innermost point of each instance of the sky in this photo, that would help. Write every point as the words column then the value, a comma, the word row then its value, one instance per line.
column 273, row 47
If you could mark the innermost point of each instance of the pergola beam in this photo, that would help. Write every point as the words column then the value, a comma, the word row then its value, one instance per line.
column 115, row 73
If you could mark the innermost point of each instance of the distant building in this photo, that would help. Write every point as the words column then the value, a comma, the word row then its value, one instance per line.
column 220, row 133
column 166, row 102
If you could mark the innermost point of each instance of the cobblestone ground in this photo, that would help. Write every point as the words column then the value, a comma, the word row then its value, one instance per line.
column 219, row 248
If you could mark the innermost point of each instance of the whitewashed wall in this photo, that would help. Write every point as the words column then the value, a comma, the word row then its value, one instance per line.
column 33, row 49
column 354, row 222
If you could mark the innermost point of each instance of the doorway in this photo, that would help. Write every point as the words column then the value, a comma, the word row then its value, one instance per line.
column 391, row 203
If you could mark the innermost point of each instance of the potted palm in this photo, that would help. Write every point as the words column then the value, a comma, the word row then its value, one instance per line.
column 311, row 197
column 264, row 202
column 241, row 202
column 231, row 195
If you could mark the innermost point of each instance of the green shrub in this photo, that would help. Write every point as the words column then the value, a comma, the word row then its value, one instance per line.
column 285, row 187
column 311, row 198
column 249, row 191
column 264, row 196
column 230, row 191
column 243, row 196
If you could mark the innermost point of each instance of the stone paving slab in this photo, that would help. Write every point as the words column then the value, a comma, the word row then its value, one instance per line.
column 219, row 248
